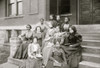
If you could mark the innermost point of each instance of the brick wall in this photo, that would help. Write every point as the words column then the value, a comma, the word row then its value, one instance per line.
column 27, row 17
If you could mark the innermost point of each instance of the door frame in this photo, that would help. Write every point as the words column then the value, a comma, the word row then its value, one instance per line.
column 74, row 15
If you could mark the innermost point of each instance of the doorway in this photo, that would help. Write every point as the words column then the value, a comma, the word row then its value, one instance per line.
column 64, row 8
column 59, row 7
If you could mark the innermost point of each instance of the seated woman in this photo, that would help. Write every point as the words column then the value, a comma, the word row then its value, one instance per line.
column 47, row 50
column 34, row 55
column 49, row 34
column 65, row 24
column 73, row 47
column 59, row 35
column 52, row 20
column 57, row 57
column 21, row 52
column 38, row 33
column 48, row 44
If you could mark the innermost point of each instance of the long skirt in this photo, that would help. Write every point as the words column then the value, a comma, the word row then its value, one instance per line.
column 31, row 63
column 21, row 52
column 50, row 65
column 74, row 59
column 46, row 54
column 73, row 56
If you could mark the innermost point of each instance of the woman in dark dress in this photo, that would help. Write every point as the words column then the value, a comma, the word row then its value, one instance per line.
column 59, row 20
column 21, row 52
column 65, row 25
column 57, row 58
column 52, row 20
column 38, row 33
column 73, row 47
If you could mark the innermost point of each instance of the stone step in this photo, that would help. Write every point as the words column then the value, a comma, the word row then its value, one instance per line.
column 18, row 62
column 91, row 57
column 88, row 32
column 8, row 65
column 87, row 64
column 91, row 38
column 88, row 29
column 93, row 34
column 91, row 49
column 91, row 42
column 94, row 26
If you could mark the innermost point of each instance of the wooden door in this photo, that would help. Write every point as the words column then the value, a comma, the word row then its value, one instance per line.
column 96, row 11
column 89, row 11
column 85, row 11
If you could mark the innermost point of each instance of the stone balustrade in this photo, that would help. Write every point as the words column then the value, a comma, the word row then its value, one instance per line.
column 3, row 36
column 14, row 42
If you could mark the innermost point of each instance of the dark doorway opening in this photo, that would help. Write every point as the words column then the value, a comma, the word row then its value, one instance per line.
column 60, row 7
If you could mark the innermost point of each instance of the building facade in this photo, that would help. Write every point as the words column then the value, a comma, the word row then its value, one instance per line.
column 22, row 12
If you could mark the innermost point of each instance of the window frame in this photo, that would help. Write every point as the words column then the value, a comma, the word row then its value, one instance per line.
column 9, row 11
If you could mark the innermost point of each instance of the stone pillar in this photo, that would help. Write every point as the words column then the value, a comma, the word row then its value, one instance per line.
column 2, row 36
column 14, row 43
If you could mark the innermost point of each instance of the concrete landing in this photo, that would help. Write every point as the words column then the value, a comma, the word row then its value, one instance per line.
column 8, row 65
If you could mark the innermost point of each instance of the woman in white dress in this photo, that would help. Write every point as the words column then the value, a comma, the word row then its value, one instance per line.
column 34, row 56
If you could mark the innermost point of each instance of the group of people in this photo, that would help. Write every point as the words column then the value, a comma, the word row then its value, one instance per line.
column 53, row 44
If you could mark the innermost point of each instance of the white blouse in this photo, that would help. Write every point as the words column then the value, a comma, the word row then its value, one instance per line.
column 33, row 50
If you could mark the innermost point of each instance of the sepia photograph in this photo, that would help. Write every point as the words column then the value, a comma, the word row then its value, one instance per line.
column 49, row 33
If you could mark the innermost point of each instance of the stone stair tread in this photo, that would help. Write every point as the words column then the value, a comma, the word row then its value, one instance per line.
column 8, row 65
column 15, row 61
column 92, row 40
column 92, row 47
column 90, row 64
column 93, row 55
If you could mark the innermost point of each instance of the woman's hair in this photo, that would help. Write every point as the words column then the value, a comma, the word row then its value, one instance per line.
column 59, row 27
column 54, row 17
column 38, row 27
column 56, row 40
column 28, row 25
column 73, row 28
column 67, row 18
column 58, row 15
column 41, row 19
column 34, row 37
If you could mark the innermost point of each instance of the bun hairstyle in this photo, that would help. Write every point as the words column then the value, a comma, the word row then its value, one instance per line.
column 73, row 28
column 28, row 25
column 52, row 15
column 42, row 19
column 34, row 37
column 38, row 27
column 68, row 18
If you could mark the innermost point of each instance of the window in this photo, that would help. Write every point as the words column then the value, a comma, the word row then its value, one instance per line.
column 14, row 7
column 59, row 6
column 19, row 7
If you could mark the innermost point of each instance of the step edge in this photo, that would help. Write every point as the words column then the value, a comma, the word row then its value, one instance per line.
column 91, row 64
column 91, row 40
column 92, row 47
column 92, row 55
